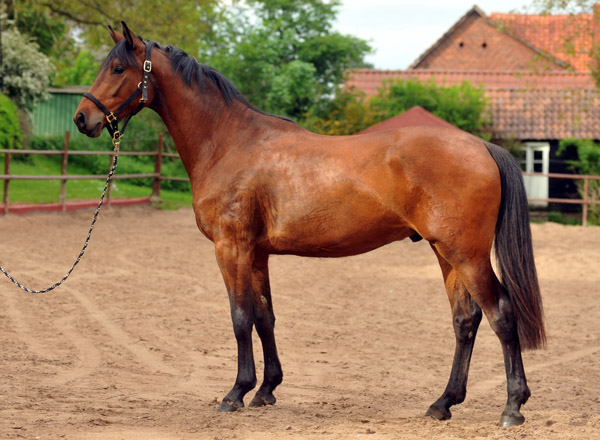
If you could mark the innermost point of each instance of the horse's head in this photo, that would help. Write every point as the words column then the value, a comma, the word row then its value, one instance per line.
column 121, row 88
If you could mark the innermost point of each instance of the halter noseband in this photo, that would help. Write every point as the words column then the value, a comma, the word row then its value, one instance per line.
column 112, row 117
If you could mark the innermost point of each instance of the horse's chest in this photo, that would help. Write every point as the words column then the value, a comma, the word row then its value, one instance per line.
column 225, row 216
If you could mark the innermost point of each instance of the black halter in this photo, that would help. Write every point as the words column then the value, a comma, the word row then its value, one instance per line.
column 112, row 117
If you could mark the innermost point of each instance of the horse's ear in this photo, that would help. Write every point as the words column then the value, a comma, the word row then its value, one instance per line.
column 115, row 35
column 131, row 39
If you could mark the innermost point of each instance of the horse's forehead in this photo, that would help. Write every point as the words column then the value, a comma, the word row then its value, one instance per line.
column 121, row 52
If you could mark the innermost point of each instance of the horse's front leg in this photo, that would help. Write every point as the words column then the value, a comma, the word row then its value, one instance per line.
column 264, row 320
column 235, row 261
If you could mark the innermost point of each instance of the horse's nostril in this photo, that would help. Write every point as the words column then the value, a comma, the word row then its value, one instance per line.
column 80, row 119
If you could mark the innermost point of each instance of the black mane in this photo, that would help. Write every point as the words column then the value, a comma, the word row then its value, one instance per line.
column 192, row 71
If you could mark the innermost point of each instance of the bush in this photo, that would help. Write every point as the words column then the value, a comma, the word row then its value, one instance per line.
column 463, row 105
column 26, row 72
column 588, row 162
column 10, row 132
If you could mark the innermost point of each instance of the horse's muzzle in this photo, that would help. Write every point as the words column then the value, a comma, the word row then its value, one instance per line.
column 86, row 125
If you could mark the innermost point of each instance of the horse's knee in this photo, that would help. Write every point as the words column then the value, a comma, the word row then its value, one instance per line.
column 242, row 324
column 466, row 324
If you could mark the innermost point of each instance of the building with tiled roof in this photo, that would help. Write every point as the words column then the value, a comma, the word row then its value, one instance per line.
column 534, row 93
column 523, row 105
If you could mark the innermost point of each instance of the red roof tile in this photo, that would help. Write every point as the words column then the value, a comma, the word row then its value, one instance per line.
column 413, row 116
column 369, row 80
column 523, row 105
column 538, row 114
column 567, row 37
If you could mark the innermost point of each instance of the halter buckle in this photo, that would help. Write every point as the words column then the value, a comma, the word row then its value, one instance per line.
column 147, row 66
column 111, row 117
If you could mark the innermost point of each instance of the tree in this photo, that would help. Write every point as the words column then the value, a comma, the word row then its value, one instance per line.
column 49, row 32
column 283, row 54
column 185, row 23
column 463, row 105
column 26, row 72
column 564, row 6
column 80, row 71
column 348, row 113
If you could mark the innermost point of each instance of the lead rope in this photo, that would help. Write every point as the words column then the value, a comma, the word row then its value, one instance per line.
column 116, row 142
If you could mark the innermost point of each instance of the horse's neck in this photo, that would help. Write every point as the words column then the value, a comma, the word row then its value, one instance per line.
column 203, row 127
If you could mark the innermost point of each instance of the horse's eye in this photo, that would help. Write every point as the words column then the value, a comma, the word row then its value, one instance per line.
column 118, row 70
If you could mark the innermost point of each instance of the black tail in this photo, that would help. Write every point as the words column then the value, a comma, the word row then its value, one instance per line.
column 514, row 252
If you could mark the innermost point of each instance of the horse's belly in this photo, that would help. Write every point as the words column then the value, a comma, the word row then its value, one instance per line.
column 337, row 234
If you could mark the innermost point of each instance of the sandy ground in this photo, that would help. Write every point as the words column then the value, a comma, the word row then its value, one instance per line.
column 138, row 343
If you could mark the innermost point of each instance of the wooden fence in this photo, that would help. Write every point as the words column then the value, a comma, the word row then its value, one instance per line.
column 586, row 201
column 157, row 176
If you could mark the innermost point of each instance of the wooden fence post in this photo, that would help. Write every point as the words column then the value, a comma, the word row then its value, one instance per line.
column 63, row 172
column 7, row 181
column 586, row 187
column 155, row 196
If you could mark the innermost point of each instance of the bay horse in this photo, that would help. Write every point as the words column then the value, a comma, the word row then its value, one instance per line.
column 263, row 185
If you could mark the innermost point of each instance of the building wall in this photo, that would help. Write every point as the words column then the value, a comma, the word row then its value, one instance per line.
column 55, row 116
column 478, row 45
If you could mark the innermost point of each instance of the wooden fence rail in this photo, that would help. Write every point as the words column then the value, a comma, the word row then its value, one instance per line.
column 158, row 177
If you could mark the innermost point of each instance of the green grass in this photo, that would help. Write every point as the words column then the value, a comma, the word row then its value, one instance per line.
column 48, row 191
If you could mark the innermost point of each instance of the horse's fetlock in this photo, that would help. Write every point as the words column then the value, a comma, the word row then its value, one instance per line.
column 246, row 384
column 275, row 378
column 519, row 393
column 458, row 397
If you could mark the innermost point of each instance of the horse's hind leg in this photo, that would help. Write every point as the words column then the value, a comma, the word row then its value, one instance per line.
column 503, row 323
column 264, row 320
column 496, row 304
column 466, row 316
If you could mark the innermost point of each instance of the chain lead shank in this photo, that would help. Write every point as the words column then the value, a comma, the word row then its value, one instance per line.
column 116, row 141
column 113, row 129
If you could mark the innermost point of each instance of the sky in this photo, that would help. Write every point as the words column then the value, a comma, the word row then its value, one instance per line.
column 401, row 30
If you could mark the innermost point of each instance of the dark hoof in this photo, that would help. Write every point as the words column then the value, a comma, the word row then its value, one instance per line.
column 511, row 419
column 229, row 406
column 258, row 401
column 438, row 413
